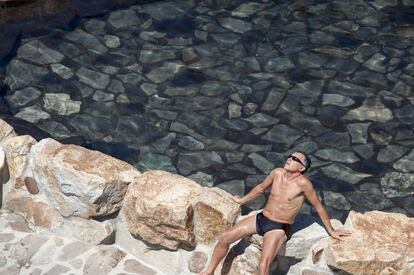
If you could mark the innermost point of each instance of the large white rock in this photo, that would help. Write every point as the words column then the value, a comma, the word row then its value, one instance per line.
column 158, row 209
column 77, row 181
column 6, row 131
column 17, row 150
column 381, row 243
column 42, row 217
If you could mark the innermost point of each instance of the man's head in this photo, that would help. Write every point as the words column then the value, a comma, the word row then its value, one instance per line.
column 298, row 161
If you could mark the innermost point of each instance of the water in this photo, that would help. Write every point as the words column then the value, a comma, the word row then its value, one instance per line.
column 249, row 82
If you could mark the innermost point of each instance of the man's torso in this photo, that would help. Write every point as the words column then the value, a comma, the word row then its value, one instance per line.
column 285, row 200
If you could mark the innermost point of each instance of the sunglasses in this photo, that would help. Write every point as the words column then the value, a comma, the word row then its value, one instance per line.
column 296, row 159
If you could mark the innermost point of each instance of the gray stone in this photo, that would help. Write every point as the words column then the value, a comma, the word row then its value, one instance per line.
column 107, row 69
column 307, row 146
column 92, row 78
column 282, row 134
column 319, row 37
column 191, row 143
column 241, row 168
column 336, row 200
column 369, row 195
column 131, row 78
column 348, row 89
column 364, row 150
column 37, row 52
column 391, row 152
column 95, row 26
column 149, row 89
column 337, row 155
column 136, row 130
column 223, row 145
column 152, row 161
column 188, row 54
column 123, row 18
column 402, row 88
column 234, row 110
column 168, row 115
column 308, row 90
column 213, row 88
column 85, row 90
column 157, row 55
column 358, row 132
column 202, row 179
column 249, row 108
column 101, row 96
column 335, row 99
column 372, row 109
column 22, row 97
column 181, row 91
column 248, row 9
column 337, row 140
column 233, row 157
column 112, row 41
column 21, row 74
column 182, row 128
column 261, row 163
column 396, row 184
column 261, row 120
column 307, row 123
column 166, row 10
column 226, row 40
column 164, row 72
column 32, row 114
column 91, row 127
column 151, row 36
column 405, row 114
column 253, row 148
column 278, row 64
column 63, row 71
column 61, row 104
column 376, row 63
column 163, row 143
column 101, row 109
column 273, row 99
column 341, row 172
column 311, row 60
column 55, row 129
column 234, row 187
column 405, row 164
column 235, row 25
column 188, row 162
column 87, row 40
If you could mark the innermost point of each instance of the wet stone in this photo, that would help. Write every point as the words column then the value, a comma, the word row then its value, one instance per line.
column 91, row 127
column 261, row 163
column 61, row 104
column 406, row 163
column 369, row 195
column 95, row 26
column 248, row 9
column 343, row 173
column 235, row 25
column 358, row 132
column 337, row 155
column 249, row 108
column 234, row 187
column 101, row 96
column 123, row 18
column 153, row 161
column 336, row 99
column 252, row 148
column 261, row 120
column 282, row 134
column 63, row 71
column 191, row 143
column 234, row 110
column 391, row 152
column 403, row 89
column 157, row 55
column 376, row 63
column 37, row 52
column 336, row 200
column 164, row 72
column 312, row 60
column 32, row 114
column 202, row 178
column 92, row 78
column 337, row 140
column 405, row 114
column 273, row 99
column 372, row 109
column 307, row 123
column 278, row 64
column 22, row 97
column 112, row 41
column 21, row 74
column 87, row 40
column 55, row 129
column 396, row 184
column 188, row 162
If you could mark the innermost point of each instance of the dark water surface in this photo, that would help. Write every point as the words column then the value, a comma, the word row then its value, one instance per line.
column 223, row 91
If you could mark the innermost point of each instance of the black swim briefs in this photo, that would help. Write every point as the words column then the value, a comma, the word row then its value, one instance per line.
column 264, row 224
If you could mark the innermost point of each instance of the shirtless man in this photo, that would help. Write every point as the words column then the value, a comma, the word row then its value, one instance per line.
column 290, row 187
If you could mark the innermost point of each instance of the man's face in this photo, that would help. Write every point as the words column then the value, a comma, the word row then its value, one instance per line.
column 295, row 162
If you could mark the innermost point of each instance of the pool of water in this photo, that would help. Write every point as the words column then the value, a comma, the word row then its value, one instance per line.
column 223, row 91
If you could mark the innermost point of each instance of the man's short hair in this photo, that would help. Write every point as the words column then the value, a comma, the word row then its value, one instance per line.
column 307, row 162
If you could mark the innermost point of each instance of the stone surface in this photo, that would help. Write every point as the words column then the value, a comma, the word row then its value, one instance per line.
column 80, row 182
column 373, row 249
column 61, row 104
column 37, row 52
column 158, row 209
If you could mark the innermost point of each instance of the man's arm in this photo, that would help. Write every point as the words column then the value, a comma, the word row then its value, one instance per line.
column 310, row 194
column 257, row 190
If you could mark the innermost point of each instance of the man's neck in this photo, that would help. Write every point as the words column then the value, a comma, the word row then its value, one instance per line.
column 292, row 175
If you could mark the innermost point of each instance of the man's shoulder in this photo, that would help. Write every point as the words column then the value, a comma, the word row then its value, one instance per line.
column 304, row 181
column 277, row 171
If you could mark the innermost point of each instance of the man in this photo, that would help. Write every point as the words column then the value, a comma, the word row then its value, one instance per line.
column 289, row 189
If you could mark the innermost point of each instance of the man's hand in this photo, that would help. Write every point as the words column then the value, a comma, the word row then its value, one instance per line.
column 237, row 199
column 339, row 233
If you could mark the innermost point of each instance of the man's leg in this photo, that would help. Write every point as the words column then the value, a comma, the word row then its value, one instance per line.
column 272, row 242
column 242, row 229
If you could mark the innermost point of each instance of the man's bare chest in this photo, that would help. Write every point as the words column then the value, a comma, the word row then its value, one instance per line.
column 286, row 191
